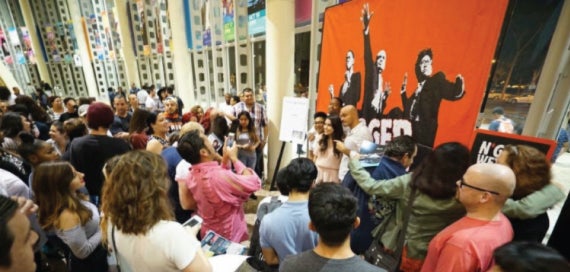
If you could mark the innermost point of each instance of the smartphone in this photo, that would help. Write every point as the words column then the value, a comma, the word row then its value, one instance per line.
column 193, row 221
column 231, row 139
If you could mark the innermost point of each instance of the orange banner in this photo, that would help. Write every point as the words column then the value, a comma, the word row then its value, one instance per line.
column 411, row 67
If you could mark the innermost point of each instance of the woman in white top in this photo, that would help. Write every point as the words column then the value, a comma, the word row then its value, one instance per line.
column 139, row 221
column 56, row 107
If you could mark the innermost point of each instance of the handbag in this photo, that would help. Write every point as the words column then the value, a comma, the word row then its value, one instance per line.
column 379, row 256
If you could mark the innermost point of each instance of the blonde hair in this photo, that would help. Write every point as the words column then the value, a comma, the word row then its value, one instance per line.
column 191, row 126
column 134, row 196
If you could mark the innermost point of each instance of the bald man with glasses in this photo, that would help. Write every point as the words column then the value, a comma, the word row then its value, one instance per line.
column 468, row 244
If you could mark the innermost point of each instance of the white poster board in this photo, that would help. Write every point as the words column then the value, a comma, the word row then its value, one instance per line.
column 294, row 118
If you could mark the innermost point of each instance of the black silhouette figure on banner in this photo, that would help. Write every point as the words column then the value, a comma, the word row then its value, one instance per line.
column 376, row 90
column 349, row 90
column 423, row 106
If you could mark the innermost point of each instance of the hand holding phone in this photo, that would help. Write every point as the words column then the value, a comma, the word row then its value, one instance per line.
column 193, row 221
column 230, row 139
column 193, row 224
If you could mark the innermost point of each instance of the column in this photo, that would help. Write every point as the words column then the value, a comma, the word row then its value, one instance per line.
column 181, row 57
column 8, row 77
column 83, row 48
column 34, row 36
column 127, row 44
column 552, row 97
column 280, row 47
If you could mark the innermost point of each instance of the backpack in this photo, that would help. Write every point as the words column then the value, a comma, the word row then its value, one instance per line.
column 264, row 209
column 506, row 125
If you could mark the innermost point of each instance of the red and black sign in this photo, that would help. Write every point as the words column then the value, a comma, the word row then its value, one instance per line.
column 487, row 145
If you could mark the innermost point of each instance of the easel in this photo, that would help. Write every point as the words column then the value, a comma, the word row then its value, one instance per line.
column 278, row 164
column 293, row 121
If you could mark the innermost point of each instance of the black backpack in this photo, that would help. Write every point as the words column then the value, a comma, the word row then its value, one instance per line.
column 264, row 209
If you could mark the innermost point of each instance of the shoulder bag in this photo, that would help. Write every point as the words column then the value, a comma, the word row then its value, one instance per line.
column 379, row 256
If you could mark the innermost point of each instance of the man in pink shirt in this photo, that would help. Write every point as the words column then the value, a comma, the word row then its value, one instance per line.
column 214, row 191
column 468, row 244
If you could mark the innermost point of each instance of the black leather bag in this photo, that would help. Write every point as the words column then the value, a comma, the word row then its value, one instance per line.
column 377, row 255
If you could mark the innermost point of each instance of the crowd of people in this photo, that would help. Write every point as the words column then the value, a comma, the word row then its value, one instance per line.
column 113, row 184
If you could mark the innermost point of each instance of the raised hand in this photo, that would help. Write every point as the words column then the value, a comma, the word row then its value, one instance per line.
column 339, row 145
column 25, row 205
column 460, row 77
column 365, row 17
column 404, row 82
column 387, row 88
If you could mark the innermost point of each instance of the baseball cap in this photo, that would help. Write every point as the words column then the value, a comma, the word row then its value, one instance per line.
column 82, row 110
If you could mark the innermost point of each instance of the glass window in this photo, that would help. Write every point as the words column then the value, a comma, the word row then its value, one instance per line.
column 259, row 78
column 526, row 36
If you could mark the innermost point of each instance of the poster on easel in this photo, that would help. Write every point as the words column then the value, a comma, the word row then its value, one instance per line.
column 294, row 118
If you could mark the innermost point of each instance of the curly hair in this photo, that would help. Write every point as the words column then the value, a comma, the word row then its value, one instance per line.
column 134, row 196
column 38, row 113
column 192, row 115
column 53, row 195
column 531, row 169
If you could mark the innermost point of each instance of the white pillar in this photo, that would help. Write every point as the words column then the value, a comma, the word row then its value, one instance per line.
column 128, row 53
column 83, row 48
column 552, row 96
column 31, row 25
column 8, row 78
column 279, row 52
column 182, row 62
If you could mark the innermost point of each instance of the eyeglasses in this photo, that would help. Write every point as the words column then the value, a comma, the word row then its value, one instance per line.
column 462, row 183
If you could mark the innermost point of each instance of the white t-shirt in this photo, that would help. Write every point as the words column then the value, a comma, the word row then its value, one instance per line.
column 182, row 171
column 353, row 141
column 150, row 104
column 13, row 185
column 166, row 247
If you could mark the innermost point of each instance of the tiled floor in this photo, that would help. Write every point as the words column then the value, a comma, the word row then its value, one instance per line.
column 561, row 174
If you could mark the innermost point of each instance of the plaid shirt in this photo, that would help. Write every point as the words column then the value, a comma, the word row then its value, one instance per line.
column 257, row 114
